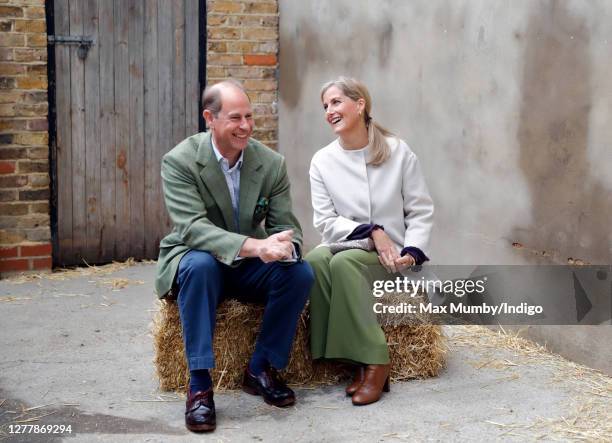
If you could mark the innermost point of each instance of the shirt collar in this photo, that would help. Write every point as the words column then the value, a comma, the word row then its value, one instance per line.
column 223, row 160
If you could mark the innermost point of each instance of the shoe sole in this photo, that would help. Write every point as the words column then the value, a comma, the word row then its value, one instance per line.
column 283, row 404
column 201, row 428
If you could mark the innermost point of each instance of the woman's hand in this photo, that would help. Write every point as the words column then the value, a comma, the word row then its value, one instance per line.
column 387, row 252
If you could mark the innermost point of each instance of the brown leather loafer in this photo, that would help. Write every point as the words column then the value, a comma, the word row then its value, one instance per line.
column 376, row 381
column 357, row 381
column 270, row 386
column 200, row 412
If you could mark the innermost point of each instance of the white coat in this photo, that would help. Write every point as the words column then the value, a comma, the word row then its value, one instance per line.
column 347, row 192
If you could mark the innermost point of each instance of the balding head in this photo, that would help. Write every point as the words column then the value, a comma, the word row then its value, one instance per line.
column 212, row 97
column 229, row 117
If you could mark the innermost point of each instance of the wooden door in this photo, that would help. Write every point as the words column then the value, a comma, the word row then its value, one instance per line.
column 120, row 105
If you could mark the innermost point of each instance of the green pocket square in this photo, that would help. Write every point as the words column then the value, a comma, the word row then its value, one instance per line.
column 261, row 209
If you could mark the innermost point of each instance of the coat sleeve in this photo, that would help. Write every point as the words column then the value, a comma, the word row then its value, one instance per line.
column 331, row 226
column 188, row 213
column 280, row 216
column 418, row 206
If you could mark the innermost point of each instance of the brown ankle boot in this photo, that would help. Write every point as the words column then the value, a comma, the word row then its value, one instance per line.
column 357, row 380
column 376, row 380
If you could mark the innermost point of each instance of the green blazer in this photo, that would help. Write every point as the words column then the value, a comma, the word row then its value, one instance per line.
column 198, row 201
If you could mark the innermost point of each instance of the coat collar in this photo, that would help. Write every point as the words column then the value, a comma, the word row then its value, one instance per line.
column 251, row 176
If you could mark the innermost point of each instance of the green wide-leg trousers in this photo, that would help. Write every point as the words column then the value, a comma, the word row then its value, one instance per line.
column 342, row 322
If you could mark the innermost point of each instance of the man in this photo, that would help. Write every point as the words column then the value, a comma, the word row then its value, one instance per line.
column 234, row 235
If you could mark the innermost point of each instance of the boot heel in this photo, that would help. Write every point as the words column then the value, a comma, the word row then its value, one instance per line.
column 386, row 386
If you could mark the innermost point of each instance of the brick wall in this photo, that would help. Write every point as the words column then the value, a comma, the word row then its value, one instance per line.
column 24, row 167
column 242, row 42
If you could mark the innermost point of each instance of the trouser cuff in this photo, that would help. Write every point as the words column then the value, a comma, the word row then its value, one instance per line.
column 196, row 363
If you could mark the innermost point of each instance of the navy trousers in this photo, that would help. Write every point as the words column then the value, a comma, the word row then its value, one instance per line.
column 204, row 282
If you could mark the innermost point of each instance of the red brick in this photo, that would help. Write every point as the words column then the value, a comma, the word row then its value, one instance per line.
column 14, row 265
column 260, row 59
column 9, row 252
column 7, row 167
column 36, row 250
column 42, row 263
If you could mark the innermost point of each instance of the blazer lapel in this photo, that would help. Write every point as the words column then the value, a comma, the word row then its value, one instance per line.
column 251, row 177
column 214, row 180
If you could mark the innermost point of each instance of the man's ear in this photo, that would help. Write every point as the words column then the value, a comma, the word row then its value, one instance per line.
column 208, row 117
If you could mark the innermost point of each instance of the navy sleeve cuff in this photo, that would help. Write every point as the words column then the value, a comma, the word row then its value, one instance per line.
column 298, row 251
column 363, row 231
column 418, row 255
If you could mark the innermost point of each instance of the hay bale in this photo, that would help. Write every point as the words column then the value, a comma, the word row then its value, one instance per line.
column 416, row 351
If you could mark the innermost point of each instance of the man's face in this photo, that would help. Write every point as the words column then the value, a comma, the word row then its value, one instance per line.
column 233, row 126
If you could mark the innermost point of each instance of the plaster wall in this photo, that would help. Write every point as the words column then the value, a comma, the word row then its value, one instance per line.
column 506, row 104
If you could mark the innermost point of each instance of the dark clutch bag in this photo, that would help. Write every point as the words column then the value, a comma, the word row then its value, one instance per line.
column 367, row 244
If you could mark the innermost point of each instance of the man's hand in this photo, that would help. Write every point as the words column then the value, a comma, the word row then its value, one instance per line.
column 387, row 252
column 276, row 247
column 404, row 262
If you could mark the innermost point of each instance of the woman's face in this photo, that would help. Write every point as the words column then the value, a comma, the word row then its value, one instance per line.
column 341, row 112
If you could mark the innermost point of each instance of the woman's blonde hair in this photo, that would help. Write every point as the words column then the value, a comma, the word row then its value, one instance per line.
column 355, row 90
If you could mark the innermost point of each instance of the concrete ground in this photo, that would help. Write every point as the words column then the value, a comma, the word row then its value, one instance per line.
column 76, row 350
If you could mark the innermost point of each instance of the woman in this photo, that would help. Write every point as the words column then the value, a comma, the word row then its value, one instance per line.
column 366, row 183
